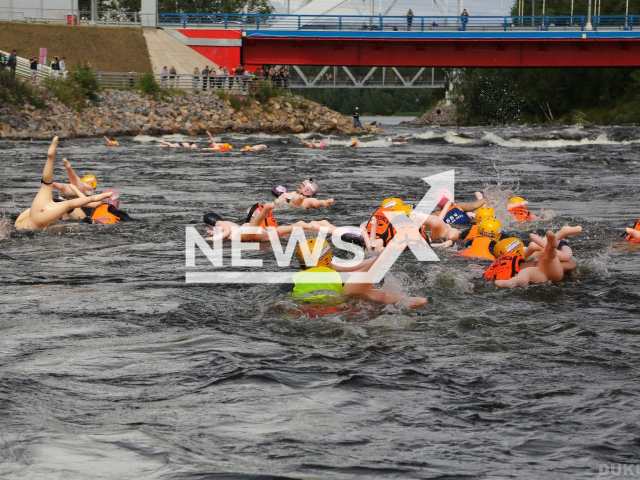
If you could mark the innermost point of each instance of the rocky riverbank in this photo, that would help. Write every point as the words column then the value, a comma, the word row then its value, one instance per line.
column 440, row 114
column 123, row 113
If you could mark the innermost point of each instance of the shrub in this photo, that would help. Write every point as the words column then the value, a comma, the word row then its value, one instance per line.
column 69, row 93
column 238, row 102
column 85, row 80
column 15, row 91
column 223, row 95
column 148, row 85
column 263, row 91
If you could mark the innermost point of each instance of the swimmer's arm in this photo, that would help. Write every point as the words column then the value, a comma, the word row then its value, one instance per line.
column 363, row 266
column 63, row 188
column 314, row 203
column 445, row 209
column 124, row 216
column 446, row 244
column 633, row 233
column 470, row 207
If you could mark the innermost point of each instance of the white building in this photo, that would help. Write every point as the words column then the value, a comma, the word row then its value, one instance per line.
column 24, row 10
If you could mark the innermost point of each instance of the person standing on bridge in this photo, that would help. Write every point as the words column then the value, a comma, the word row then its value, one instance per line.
column 464, row 18
column 356, row 119
column 409, row 19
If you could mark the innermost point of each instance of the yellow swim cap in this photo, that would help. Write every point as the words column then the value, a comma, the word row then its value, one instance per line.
column 513, row 200
column 90, row 180
column 321, row 259
column 509, row 246
column 484, row 212
column 491, row 228
column 392, row 203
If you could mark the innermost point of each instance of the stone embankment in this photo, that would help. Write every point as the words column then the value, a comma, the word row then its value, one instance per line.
column 441, row 114
column 130, row 113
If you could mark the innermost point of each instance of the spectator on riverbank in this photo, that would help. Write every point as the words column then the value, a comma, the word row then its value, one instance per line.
column 464, row 18
column 163, row 78
column 196, row 78
column 172, row 76
column 356, row 119
column 409, row 19
column 33, row 65
column 63, row 68
column 12, row 62
column 205, row 77
column 55, row 67
column 3, row 62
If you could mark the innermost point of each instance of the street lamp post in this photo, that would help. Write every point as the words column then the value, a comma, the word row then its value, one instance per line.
column 588, row 26
column 94, row 12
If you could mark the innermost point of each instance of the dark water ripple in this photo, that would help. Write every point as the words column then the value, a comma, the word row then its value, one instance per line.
column 112, row 367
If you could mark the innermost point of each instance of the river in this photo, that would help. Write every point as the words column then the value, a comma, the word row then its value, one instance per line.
column 111, row 366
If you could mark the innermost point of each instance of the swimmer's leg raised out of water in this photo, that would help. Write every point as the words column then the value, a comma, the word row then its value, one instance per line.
column 548, row 269
column 565, row 254
column 44, row 211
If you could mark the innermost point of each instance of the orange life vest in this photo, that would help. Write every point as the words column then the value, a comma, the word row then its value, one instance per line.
column 102, row 215
column 504, row 267
column 269, row 221
column 521, row 214
column 629, row 238
column 480, row 247
column 383, row 225
column 406, row 233
column 473, row 233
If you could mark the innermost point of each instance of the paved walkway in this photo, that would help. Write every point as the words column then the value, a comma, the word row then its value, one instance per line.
column 167, row 50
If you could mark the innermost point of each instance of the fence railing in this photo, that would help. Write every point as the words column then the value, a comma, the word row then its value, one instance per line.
column 70, row 16
column 235, row 84
column 232, row 83
column 23, row 68
column 398, row 23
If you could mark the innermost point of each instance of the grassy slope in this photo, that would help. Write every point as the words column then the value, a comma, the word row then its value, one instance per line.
column 108, row 49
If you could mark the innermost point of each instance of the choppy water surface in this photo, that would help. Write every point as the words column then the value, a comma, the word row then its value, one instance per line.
column 112, row 367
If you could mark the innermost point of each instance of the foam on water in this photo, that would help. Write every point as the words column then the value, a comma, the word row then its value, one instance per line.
column 601, row 139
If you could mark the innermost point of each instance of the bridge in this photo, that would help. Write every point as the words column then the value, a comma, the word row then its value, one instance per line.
column 419, row 41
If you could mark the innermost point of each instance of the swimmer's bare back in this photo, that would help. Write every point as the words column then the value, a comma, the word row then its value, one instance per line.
column 44, row 211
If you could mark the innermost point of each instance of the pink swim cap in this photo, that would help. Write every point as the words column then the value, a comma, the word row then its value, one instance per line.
column 443, row 196
column 309, row 188
column 114, row 199
column 278, row 190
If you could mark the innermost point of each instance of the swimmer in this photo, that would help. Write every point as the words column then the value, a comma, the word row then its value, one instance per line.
column 44, row 210
column 78, row 213
column 255, row 148
column 165, row 144
column 548, row 269
column 320, row 283
column 481, row 214
column 457, row 212
column 108, row 212
column 489, row 233
column 511, row 253
column 516, row 207
column 111, row 143
column 217, row 147
column 354, row 143
column 314, row 144
column 192, row 146
column 86, row 185
column 258, row 215
column 303, row 197
column 633, row 234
